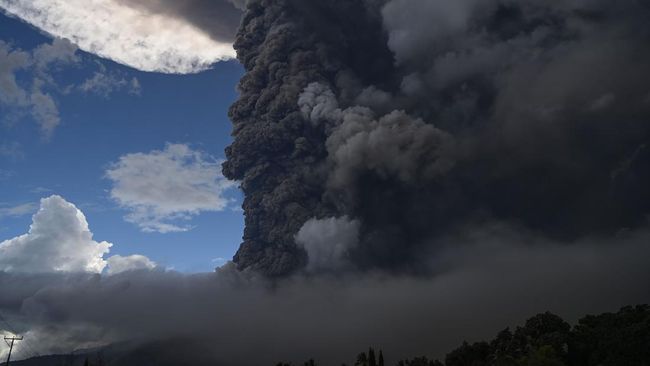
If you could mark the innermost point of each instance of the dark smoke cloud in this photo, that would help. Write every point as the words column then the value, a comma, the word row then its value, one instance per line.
column 489, row 277
column 277, row 154
column 219, row 18
column 417, row 118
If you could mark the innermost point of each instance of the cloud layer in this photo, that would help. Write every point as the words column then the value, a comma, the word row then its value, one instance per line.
column 163, row 189
column 163, row 36
column 488, row 277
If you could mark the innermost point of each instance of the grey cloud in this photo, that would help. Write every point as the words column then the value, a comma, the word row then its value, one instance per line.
column 60, row 51
column 6, row 174
column 423, row 116
column 240, row 4
column 395, row 145
column 44, row 110
column 12, row 151
column 468, row 165
column 418, row 27
column 328, row 242
column 318, row 103
column 104, row 84
column 277, row 154
column 34, row 98
column 489, row 276
column 375, row 98
column 219, row 18
column 11, row 61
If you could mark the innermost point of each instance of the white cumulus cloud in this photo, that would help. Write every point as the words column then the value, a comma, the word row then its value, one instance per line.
column 118, row 264
column 130, row 35
column 163, row 189
column 58, row 240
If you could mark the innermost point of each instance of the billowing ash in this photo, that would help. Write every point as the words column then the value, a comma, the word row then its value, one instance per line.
column 410, row 121
column 280, row 156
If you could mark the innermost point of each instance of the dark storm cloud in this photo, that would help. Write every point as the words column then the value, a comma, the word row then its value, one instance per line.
column 420, row 117
column 489, row 277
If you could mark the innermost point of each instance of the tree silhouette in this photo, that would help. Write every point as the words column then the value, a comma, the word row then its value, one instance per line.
column 620, row 338
column 543, row 356
column 610, row 339
column 372, row 361
column 362, row 360
column 420, row 361
column 476, row 354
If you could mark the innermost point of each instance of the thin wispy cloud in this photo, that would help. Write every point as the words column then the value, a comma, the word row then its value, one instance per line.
column 5, row 174
column 12, row 151
column 30, row 89
column 39, row 190
column 32, row 97
column 104, row 83
column 18, row 210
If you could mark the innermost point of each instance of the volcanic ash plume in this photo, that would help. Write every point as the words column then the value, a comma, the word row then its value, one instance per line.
column 279, row 156
column 418, row 119
column 496, row 149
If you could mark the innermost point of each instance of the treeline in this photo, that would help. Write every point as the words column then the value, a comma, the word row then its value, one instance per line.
column 610, row 339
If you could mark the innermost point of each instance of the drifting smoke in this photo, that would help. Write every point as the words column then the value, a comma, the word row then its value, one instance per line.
column 417, row 118
column 328, row 242
column 492, row 278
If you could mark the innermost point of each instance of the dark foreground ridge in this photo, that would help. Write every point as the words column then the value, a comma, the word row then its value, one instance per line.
column 610, row 339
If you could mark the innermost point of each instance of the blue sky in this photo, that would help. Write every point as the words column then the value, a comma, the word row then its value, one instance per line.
column 135, row 112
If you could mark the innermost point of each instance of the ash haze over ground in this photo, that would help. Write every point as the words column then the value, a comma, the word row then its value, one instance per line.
column 416, row 173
